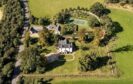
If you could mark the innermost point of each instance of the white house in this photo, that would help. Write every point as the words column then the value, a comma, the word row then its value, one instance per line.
column 65, row 47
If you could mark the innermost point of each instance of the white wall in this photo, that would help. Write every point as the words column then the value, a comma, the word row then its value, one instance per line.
column 63, row 50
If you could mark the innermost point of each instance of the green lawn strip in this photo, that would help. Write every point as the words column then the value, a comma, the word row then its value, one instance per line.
column 91, row 81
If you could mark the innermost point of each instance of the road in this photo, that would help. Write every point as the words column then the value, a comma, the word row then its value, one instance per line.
column 26, row 25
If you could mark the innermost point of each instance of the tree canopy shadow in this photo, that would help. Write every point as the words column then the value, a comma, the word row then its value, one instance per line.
column 124, row 49
column 107, row 11
column 55, row 64
column 100, row 62
column 118, row 27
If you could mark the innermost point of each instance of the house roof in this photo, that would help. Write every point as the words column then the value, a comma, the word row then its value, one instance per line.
column 64, row 44
column 53, row 27
column 36, row 28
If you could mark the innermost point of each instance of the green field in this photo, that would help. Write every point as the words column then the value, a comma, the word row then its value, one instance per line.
column 42, row 8
column 124, row 59
column 92, row 81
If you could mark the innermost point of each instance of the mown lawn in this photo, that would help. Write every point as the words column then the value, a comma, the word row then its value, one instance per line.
column 63, row 67
column 124, row 59
column 42, row 8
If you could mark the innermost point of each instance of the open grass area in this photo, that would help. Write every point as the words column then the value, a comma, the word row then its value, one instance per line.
column 42, row 8
column 92, row 81
column 62, row 67
column 124, row 59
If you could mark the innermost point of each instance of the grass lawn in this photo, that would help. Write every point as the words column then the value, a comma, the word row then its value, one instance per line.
column 61, row 67
column 42, row 8
column 124, row 59
column 92, row 81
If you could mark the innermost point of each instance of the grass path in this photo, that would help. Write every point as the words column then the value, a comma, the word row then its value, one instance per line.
column 1, row 13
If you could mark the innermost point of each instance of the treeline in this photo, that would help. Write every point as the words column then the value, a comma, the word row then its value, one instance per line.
column 120, row 1
column 40, row 21
column 10, row 28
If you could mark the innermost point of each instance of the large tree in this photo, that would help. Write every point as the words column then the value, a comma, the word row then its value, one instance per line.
column 86, row 63
column 32, row 60
column 98, row 9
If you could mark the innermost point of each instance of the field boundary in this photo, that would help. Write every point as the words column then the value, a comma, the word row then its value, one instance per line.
column 118, row 6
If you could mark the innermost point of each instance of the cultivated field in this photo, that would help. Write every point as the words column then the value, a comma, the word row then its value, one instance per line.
column 41, row 8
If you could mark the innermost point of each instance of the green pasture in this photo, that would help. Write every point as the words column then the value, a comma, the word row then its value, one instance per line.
column 42, row 8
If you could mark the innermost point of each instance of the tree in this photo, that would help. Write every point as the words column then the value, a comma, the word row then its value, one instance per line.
column 8, row 69
column 63, row 17
column 93, row 22
column 89, row 37
column 43, row 37
column 98, row 9
column 27, row 39
column 68, row 29
column 82, row 33
column 10, row 32
column 86, row 63
column 44, row 21
column 32, row 60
